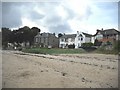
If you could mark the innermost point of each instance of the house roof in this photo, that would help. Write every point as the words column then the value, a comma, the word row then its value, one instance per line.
column 87, row 35
column 110, row 31
column 44, row 35
column 107, row 32
column 68, row 36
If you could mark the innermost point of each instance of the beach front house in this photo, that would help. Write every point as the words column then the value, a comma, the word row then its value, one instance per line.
column 48, row 40
column 107, row 35
column 74, row 39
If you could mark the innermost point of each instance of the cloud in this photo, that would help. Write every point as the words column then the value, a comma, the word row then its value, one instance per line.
column 11, row 16
column 13, row 12
column 61, row 28
column 63, row 16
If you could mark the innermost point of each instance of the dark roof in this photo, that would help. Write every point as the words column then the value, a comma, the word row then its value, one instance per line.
column 108, row 31
column 80, row 35
column 44, row 35
column 68, row 36
column 87, row 35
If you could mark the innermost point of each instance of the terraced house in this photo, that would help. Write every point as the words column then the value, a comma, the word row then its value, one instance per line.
column 50, row 40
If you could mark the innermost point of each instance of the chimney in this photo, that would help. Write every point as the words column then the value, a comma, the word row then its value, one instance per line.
column 102, row 29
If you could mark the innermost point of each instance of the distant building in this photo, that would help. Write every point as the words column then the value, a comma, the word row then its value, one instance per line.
column 66, row 39
column 82, row 37
column 107, row 35
column 46, row 40
column 74, row 39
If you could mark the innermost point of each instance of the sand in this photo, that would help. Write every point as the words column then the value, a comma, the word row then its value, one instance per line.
column 23, row 70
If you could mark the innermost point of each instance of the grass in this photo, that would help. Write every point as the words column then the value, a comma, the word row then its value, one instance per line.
column 53, row 51
column 103, row 51
column 67, row 51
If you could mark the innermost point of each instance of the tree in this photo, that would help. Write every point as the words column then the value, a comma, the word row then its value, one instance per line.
column 36, row 29
column 24, row 34
column 6, row 32
column 60, row 35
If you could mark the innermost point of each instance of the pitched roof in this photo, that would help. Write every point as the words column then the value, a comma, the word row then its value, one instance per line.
column 68, row 36
column 44, row 35
column 108, row 31
column 87, row 35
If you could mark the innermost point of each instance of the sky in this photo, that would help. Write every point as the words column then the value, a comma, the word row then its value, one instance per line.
column 61, row 16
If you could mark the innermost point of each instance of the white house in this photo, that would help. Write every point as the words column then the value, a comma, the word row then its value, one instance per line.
column 75, row 39
column 66, row 39
column 82, row 37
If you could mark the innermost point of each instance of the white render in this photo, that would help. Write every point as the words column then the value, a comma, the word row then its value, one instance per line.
column 99, row 36
column 77, row 41
column 63, row 43
column 81, row 38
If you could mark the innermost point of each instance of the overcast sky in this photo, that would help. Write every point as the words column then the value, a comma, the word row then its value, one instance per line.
column 65, row 16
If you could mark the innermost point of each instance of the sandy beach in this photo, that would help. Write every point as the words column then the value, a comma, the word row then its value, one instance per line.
column 23, row 70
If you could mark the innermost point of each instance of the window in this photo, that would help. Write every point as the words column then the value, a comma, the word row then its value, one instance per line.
column 36, row 39
column 81, row 39
column 66, row 40
column 44, row 39
column 72, row 39
column 62, row 39
column 62, row 46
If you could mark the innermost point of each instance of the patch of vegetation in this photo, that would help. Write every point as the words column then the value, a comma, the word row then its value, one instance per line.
column 111, row 48
column 87, row 44
column 53, row 51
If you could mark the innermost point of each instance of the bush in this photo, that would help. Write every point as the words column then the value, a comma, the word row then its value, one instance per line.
column 71, row 46
column 97, row 43
column 87, row 44
column 117, row 46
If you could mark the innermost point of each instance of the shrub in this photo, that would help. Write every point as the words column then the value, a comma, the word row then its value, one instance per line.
column 71, row 46
column 97, row 43
column 87, row 44
column 117, row 46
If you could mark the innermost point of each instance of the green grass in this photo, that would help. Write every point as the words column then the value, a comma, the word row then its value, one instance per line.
column 53, row 51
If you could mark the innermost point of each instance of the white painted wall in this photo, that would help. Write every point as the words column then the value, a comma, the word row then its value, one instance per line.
column 87, row 39
column 117, row 37
column 93, row 39
column 99, row 36
column 78, row 41
column 62, row 42
column 71, row 41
